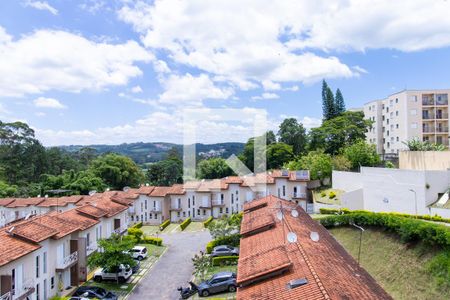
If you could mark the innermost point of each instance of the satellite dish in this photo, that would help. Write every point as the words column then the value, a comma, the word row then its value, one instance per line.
column 11, row 230
column 146, row 184
column 294, row 213
column 280, row 215
column 292, row 237
column 27, row 216
column 92, row 193
column 46, row 196
column 314, row 236
column 108, row 189
column 126, row 189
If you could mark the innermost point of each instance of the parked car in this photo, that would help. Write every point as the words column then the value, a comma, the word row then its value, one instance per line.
column 135, row 269
column 220, row 282
column 93, row 292
column 120, row 273
column 139, row 252
column 224, row 250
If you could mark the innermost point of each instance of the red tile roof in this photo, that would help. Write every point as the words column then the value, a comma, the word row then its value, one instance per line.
column 24, row 202
column 145, row 190
column 83, row 221
column 91, row 210
column 331, row 273
column 34, row 231
column 12, row 248
column 160, row 191
column 59, row 201
column 6, row 201
column 256, row 221
column 177, row 189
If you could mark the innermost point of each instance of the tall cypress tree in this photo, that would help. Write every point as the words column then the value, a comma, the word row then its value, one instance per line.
column 327, row 101
column 339, row 103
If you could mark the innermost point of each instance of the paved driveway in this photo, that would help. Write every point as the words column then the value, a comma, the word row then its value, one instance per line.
column 174, row 268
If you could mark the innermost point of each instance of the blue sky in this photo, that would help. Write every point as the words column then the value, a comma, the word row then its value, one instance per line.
column 85, row 72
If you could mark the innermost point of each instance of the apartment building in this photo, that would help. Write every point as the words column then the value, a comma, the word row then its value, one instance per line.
column 421, row 114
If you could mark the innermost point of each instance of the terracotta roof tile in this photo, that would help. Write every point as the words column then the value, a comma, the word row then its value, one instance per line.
column 6, row 201
column 83, row 221
column 12, row 248
column 91, row 210
column 233, row 179
column 331, row 273
column 24, row 202
column 62, row 225
column 34, row 231
column 256, row 221
column 160, row 191
column 145, row 190
column 177, row 189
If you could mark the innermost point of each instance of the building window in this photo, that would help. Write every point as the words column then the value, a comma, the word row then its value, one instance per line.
column 396, row 113
column 204, row 212
column 398, row 139
column 189, row 202
column 132, row 219
column 137, row 218
column 284, row 191
column 221, row 210
column 226, row 210
column 37, row 292
column 396, row 100
column 145, row 217
column 156, row 216
column 396, row 126
column 184, row 214
column 145, row 204
column 151, row 216
column 189, row 213
column 142, row 218
column 232, row 198
column 237, row 192
column 37, row 266
column 44, row 262
column 178, row 214
column 193, row 200
column 142, row 206
column 221, row 197
column 198, row 211
column 52, row 282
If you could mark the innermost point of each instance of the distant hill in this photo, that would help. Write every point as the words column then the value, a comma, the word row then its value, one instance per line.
column 143, row 153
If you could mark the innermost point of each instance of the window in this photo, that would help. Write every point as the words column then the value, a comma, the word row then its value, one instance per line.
column 221, row 197
column 226, row 210
column 88, row 239
column 221, row 210
column 388, row 133
column 396, row 113
column 396, row 126
column 396, row 100
column 189, row 213
column 145, row 217
column 151, row 216
column 204, row 212
column 388, row 144
column 156, row 216
column 237, row 192
column 387, row 109
column 142, row 206
column 413, row 98
column 232, row 198
column 44, row 263
column 37, row 292
column 184, row 214
column 154, row 204
column 137, row 218
column 37, row 266
column 52, row 283
column 193, row 200
column 145, row 204
column 132, row 219
column 178, row 214
column 198, row 211
column 284, row 191
column 398, row 139
column 189, row 202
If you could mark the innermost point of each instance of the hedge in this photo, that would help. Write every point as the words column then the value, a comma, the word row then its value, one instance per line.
column 225, row 260
column 152, row 240
column 136, row 233
column 407, row 228
column 331, row 211
column 230, row 240
column 164, row 225
column 137, row 225
column 206, row 223
column 185, row 223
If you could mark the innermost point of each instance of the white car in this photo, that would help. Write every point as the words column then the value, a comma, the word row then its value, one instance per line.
column 121, row 274
column 139, row 252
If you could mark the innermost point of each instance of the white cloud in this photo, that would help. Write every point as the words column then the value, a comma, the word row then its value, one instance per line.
column 191, row 90
column 48, row 103
column 266, row 96
column 42, row 5
column 93, row 6
column 270, row 85
column 360, row 70
column 40, row 114
column 136, row 89
column 293, row 88
column 57, row 60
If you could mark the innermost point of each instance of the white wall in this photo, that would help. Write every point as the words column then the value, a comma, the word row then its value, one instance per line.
column 353, row 200
column 347, row 181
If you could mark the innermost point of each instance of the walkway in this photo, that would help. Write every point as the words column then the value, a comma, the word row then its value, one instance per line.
column 173, row 269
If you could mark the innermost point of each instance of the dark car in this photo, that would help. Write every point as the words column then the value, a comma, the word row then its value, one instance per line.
column 93, row 292
column 135, row 269
column 220, row 282
column 224, row 250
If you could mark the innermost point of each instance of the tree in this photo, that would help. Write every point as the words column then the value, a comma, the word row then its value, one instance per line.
column 117, row 171
column 318, row 163
column 201, row 264
column 341, row 131
column 328, row 106
column 213, row 168
column 114, row 253
column 165, row 172
column 270, row 138
column 341, row 163
column 292, row 133
column 85, row 181
column 278, row 154
column 223, row 227
column 361, row 154
column 416, row 145
column 7, row 190
column 339, row 103
column 248, row 154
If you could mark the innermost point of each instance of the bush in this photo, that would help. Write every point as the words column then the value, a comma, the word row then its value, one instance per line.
column 137, row 225
column 185, row 223
column 152, row 240
column 136, row 233
column 332, row 211
column 164, row 225
column 408, row 229
column 331, row 195
column 323, row 194
column 225, row 260
column 439, row 266
column 231, row 240
column 206, row 223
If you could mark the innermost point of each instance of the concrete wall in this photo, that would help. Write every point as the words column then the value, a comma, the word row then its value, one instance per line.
column 424, row 160
column 445, row 213
column 353, row 200
column 347, row 181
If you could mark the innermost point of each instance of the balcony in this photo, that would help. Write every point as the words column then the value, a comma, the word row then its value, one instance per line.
column 442, row 129
column 205, row 204
column 90, row 249
column 428, row 129
column 131, row 210
column 442, row 116
column 299, row 195
column 67, row 261
column 155, row 209
column 218, row 203
column 175, row 207
column 120, row 230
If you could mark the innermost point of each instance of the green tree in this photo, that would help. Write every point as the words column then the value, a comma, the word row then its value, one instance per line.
column 318, row 163
column 114, row 253
column 213, row 168
column 270, row 138
column 361, row 154
column 341, row 163
column 339, row 102
column 416, row 145
column 341, row 131
column 85, row 181
column 166, row 172
column 293, row 133
column 278, row 154
column 201, row 264
column 7, row 190
column 328, row 105
column 248, row 154
column 117, row 171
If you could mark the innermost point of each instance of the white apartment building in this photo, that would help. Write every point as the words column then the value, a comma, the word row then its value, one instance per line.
column 408, row 114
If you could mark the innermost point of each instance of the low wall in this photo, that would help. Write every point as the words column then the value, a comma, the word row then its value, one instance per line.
column 424, row 160
column 318, row 206
column 353, row 200
column 445, row 213
column 347, row 181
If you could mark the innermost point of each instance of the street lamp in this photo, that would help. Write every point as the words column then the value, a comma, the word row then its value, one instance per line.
column 360, row 239
column 415, row 199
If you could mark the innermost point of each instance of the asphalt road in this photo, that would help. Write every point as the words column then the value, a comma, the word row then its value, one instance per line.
column 173, row 269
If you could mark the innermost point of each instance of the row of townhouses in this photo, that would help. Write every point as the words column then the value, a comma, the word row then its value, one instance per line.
column 45, row 242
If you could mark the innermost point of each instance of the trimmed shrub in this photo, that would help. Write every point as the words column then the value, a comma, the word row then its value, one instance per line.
column 225, row 260
column 206, row 223
column 323, row 194
column 136, row 233
column 408, row 229
column 230, row 240
column 185, row 223
column 331, row 195
column 152, row 240
column 137, row 225
column 164, row 225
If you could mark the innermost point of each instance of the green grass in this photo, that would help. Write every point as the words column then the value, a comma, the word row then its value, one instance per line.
column 319, row 197
column 318, row 216
column 172, row 228
column 112, row 286
column 401, row 269
column 211, row 271
column 154, row 250
column 150, row 229
column 195, row 226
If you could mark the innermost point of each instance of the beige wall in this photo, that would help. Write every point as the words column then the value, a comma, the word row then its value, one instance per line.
column 424, row 160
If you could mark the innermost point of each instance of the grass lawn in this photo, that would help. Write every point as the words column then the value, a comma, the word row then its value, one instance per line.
column 211, row 272
column 150, row 229
column 195, row 226
column 173, row 227
column 399, row 268
column 154, row 250
column 318, row 216
column 323, row 196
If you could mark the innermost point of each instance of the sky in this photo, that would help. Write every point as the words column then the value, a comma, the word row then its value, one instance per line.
column 121, row 71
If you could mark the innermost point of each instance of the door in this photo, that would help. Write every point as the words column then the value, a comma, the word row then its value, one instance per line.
column 45, row 289
column 5, row 284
